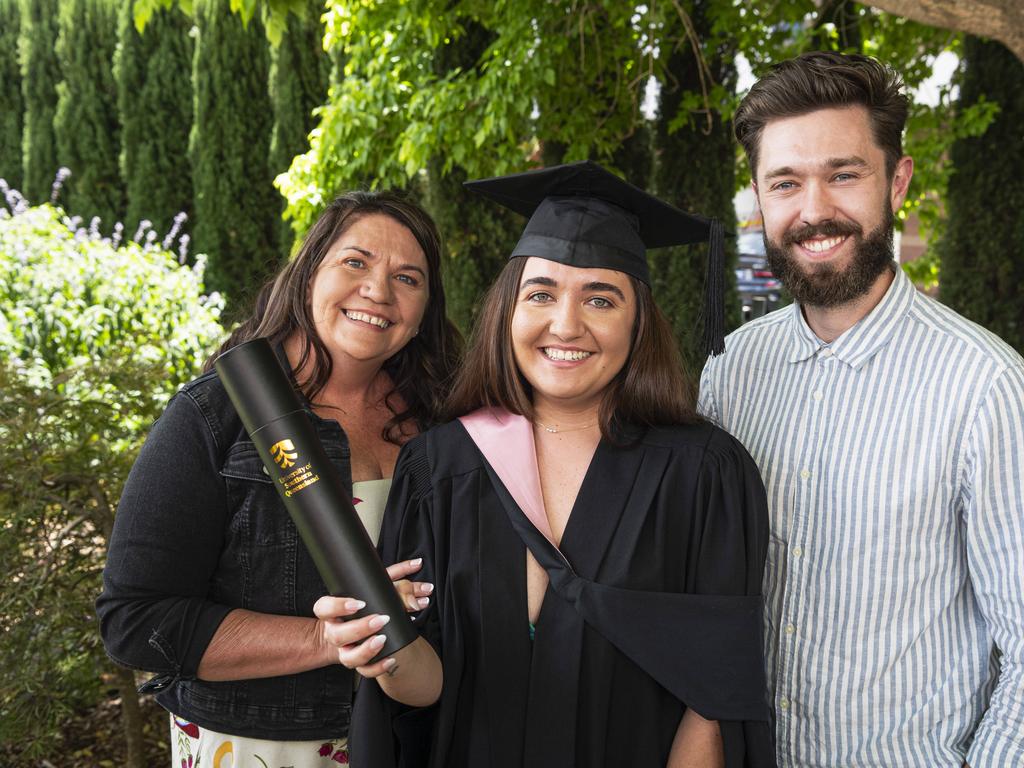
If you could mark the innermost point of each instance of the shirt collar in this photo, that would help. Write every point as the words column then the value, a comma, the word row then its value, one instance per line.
column 860, row 343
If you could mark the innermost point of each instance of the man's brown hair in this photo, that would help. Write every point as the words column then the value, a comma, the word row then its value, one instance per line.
column 651, row 389
column 824, row 80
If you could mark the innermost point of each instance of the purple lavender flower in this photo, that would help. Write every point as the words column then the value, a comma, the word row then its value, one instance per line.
column 115, row 239
column 183, row 248
column 179, row 219
column 143, row 226
column 58, row 182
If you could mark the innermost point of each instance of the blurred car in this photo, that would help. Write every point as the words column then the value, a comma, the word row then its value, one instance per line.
column 759, row 289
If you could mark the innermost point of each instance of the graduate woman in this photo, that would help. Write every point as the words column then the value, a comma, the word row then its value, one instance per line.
column 596, row 549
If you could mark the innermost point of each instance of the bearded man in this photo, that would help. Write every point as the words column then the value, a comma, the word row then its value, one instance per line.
column 890, row 434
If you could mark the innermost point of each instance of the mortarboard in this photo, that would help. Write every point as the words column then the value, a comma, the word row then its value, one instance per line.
column 585, row 216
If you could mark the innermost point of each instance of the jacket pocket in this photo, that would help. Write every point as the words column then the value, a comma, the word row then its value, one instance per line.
column 262, row 537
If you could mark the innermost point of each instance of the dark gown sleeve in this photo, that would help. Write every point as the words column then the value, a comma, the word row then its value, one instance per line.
column 384, row 733
column 733, row 546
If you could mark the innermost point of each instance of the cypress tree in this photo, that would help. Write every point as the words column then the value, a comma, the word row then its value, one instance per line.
column 236, row 205
column 85, row 123
column 40, row 74
column 12, row 105
column 696, row 172
column 154, row 100
column 299, row 74
column 982, row 274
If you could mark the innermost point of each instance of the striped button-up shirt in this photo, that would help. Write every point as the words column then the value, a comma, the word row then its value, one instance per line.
column 894, row 587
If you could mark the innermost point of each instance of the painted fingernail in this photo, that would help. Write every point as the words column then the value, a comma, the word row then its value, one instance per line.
column 422, row 602
column 416, row 561
column 354, row 605
column 426, row 587
column 378, row 641
column 379, row 621
column 389, row 663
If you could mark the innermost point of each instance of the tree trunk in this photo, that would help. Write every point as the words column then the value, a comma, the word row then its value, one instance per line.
column 131, row 717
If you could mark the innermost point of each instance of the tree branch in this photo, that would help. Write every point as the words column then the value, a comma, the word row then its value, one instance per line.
column 1001, row 20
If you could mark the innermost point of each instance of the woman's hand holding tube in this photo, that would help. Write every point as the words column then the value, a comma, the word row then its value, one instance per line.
column 413, row 674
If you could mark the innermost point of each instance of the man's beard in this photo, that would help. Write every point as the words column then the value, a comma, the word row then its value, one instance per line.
column 823, row 285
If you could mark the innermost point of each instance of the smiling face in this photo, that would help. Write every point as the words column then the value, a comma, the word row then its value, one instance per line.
column 827, row 204
column 571, row 331
column 369, row 294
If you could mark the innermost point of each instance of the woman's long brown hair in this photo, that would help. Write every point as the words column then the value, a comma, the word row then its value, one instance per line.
column 651, row 389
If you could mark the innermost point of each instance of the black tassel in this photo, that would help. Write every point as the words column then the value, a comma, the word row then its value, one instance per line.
column 713, row 336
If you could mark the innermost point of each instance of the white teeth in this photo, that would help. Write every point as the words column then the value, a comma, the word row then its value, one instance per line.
column 380, row 322
column 565, row 354
column 818, row 246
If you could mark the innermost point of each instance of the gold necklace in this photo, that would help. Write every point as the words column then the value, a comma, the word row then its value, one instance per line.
column 556, row 430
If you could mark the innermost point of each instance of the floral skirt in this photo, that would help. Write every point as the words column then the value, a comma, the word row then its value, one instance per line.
column 195, row 747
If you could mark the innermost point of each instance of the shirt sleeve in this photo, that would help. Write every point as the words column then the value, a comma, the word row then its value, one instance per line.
column 994, row 512
column 168, row 534
column 706, row 404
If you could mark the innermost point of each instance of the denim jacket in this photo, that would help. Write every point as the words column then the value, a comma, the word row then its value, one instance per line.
column 200, row 530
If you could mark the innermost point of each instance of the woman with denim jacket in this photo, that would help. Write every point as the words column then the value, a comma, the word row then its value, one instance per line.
column 207, row 583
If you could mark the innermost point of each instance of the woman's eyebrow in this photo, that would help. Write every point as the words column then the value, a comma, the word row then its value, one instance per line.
column 372, row 255
column 607, row 287
column 547, row 282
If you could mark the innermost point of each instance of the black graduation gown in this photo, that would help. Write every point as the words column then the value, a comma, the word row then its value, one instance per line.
column 667, row 542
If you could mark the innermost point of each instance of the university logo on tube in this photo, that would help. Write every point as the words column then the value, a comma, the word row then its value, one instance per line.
column 284, row 453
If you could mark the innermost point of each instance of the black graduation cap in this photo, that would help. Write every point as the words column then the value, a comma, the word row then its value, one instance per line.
column 585, row 216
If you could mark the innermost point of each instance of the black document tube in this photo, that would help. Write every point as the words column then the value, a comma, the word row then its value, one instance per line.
column 310, row 487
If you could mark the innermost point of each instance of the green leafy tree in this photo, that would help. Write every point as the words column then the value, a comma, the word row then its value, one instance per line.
column 696, row 163
column 299, row 74
column 153, row 71
column 478, row 235
column 12, row 103
column 982, row 273
column 86, row 125
column 235, row 203
column 93, row 340
column 40, row 74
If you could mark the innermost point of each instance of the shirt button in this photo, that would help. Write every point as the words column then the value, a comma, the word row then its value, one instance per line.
column 826, row 352
column 818, row 396
column 784, row 702
column 804, row 474
column 797, row 551
column 790, row 629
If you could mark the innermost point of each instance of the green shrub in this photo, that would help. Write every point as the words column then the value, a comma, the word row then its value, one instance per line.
column 982, row 272
column 94, row 337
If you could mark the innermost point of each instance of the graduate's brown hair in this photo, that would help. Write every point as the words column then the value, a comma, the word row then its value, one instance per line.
column 651, row 389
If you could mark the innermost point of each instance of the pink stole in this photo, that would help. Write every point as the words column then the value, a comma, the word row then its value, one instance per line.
column 506, row 441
